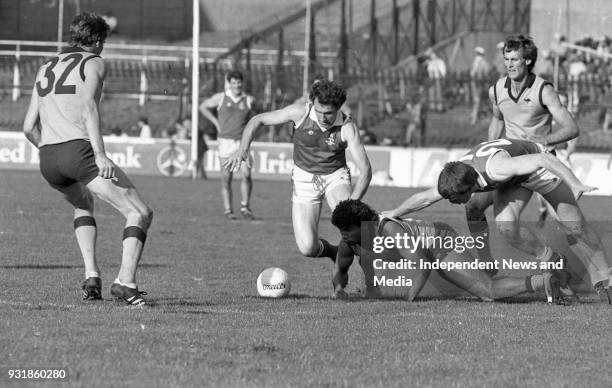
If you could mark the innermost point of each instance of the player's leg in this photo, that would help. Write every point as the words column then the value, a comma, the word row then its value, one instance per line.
column 305, row 217
column 86, row 233
column 123, row 196
column 478, row 225
column 226, row 193
column 508, row 205
column 582, row 239
column 338, row 188
column 246, row 187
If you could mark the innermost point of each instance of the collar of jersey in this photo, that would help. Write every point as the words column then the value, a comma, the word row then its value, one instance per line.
column 235, row 99
column 313, row 116
column 72, row 49
column 530, row 80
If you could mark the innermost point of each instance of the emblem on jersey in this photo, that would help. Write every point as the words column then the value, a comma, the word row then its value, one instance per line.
column 310, row 132
column 241, row 105
column 172, row 161
column 331, row 139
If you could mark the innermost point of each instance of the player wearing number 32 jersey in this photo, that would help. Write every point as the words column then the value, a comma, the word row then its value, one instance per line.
column 63, row 121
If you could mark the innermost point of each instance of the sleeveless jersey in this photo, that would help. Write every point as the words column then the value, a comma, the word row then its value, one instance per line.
column 319, row 151
column 59, row 85
column 479, row 157
column 525, row 115
column 233, row 116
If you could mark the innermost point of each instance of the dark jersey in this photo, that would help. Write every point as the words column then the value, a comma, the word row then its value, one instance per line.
column 479, row 157
column 317, row 151
column 233, row 116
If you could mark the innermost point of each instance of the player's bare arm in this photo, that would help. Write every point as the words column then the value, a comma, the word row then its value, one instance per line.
column 94, row 76
column 31, row 123
column 340, row 276
column 287, row 114
column 568, row 129
column 211, row 103
column 414, row 203
column 358, row 153
column 502, row 166
column 496, row 126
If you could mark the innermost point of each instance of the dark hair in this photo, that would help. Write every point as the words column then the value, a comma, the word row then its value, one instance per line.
column 234, row 74
column 352, row 212
column 524, row 43
column 456, row 179
column 328, row 93
column 144, row 119
column 87, row 29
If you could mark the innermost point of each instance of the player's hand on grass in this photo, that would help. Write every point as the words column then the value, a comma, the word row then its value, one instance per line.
column 579, row 190
column 106, row 166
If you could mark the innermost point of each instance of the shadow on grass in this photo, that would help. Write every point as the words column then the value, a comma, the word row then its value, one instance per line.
column 41, row 266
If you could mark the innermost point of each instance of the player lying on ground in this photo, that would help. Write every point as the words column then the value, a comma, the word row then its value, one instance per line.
column 322, row 135
column 359, row 224
column 516, row 169
column 63, row 121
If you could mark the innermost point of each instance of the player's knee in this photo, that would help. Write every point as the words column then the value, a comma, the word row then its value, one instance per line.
column 309, row 249
column 142, row 216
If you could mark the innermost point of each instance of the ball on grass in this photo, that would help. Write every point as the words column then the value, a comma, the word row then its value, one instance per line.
column 273, row 283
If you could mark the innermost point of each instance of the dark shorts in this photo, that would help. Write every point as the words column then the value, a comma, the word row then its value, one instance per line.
column 67, row 163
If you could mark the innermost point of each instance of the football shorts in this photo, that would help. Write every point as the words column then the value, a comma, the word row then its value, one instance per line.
column 312, row 188
column 64, row 164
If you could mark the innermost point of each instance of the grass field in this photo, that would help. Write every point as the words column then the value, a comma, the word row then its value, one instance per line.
column 205, row 326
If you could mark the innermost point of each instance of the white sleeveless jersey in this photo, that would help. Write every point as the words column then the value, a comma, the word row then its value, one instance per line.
column 525, row 115
column 59, row 85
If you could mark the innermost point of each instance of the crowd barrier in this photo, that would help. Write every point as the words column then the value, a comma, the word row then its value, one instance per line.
column 391, row 166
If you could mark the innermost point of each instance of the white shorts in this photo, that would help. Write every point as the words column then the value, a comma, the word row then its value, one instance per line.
column 312, row 188
column 227, row 148
column 542, row 182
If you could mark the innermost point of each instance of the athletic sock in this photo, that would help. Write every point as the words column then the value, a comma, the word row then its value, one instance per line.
column 534, row 283
column 129, row 285
column 91, row 274
column 327, row 250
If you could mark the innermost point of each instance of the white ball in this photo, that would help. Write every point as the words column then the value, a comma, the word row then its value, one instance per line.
column 273, row 283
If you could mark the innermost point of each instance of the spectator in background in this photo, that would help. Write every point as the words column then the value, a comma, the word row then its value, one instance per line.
column 367, row 137
column 546, row 67
column 436, row 71
column 575, row 71
column 416, row 118
column 479, row 78
column 145, row 129
column 112, row 21
column 117, row 132
column 498, row 60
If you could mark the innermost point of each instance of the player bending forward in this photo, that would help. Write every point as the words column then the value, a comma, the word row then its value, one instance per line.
column 63, row 122
column 359, row 224
column 322, row 135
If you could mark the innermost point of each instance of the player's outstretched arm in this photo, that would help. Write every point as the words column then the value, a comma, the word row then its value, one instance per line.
column 31, row 123
column 496, row 126
column 211, row 103
column 340, row 276
column 568, row 129
column 94, row 75
column 281, row 116
column 360, row 157
column 414, row 203
column 506, row 166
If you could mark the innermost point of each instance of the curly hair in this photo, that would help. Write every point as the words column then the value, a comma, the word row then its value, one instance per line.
column 234, row 74
column 352, row 212
column 87, row 29
column 328, row 93
column 524, row 43
column 456, row 179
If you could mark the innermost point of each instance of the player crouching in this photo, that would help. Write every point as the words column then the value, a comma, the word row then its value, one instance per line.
column 359, row 224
